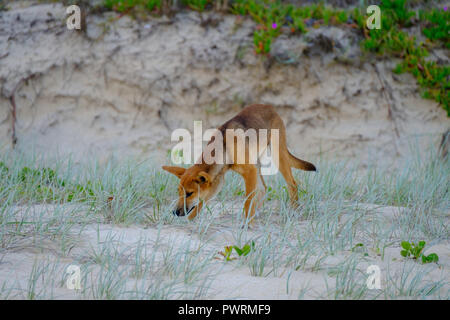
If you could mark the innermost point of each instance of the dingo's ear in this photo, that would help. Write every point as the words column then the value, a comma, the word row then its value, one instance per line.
column 178, row 171
column 203, row 177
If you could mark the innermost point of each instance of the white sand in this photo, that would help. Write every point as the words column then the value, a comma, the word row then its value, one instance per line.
column 225, row 280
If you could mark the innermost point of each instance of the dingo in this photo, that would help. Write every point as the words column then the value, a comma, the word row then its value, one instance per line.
column 202, row 181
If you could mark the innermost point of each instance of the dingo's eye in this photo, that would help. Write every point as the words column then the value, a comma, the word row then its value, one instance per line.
column 188, row 194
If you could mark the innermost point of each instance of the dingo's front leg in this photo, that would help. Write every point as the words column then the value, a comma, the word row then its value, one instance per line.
column 250, row 174
column 196, row 210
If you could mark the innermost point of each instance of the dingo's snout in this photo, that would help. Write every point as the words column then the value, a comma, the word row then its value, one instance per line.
column 180, row 212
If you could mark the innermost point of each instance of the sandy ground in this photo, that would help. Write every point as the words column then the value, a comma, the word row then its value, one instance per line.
column 223, row 279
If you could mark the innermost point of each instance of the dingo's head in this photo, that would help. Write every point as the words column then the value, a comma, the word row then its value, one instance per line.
column 193, row 188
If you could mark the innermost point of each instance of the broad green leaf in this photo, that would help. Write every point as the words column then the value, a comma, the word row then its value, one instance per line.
column 432, row 257
column 246, row 249
column 406, row 245
column 238, row 250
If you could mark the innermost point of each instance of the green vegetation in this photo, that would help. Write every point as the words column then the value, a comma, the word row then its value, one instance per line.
column 198, row 5
column 23, row 184
column 244, row 251
column 274, row 18
column 416, row 251
column 128, row 5
column 119, row 228
column 393, row 41
column 437, row 26
column 43, row 185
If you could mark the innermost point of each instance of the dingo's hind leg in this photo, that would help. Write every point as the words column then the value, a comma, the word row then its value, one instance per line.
column 285, row 169
column 284, row 163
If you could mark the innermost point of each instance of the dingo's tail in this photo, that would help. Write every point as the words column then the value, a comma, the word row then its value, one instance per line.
column 301, row 164
column 287, row 160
